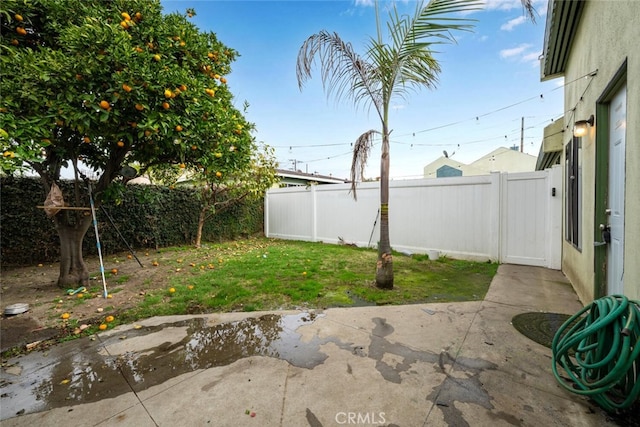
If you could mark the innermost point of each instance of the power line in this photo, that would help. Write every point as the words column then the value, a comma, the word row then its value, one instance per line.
column 476, row 117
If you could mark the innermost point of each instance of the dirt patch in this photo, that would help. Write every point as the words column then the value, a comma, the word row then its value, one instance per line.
column 36, row 286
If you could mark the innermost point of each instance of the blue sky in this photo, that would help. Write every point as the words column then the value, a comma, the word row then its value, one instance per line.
column 490, row 79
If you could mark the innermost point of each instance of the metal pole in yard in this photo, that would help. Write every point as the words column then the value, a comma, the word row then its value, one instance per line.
column 95, row 228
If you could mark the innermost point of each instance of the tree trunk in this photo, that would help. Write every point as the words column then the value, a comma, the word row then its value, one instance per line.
column 384, row 267
column 73, row 270
column 201, row 220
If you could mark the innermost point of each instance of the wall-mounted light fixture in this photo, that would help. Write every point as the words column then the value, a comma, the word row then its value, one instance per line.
column 581, row 127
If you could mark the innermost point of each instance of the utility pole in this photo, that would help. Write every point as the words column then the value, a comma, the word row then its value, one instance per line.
column 522, row 135
column 295, row 163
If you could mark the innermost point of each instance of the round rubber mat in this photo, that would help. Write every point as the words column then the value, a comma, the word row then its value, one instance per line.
column 540, row 327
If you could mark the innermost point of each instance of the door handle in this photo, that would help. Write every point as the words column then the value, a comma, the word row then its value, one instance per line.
column 607, row 211
column 605, row 230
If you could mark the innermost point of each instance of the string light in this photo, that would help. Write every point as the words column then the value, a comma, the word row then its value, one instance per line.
column 476, row 118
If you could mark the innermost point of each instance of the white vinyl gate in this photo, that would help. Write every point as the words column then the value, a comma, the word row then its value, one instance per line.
column 531, row 227
column 507, row 217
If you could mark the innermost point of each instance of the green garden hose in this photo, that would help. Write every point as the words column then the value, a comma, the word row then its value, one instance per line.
column 599, row 349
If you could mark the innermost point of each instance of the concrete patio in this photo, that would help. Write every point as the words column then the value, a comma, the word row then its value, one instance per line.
column 448, row 364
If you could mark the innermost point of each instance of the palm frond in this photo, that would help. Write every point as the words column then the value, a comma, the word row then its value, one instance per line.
column 527, row 5
column 361, row 151
column 415, row 36
column 344, row 73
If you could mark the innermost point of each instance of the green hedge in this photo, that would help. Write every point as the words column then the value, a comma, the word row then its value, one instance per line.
column 147, row 217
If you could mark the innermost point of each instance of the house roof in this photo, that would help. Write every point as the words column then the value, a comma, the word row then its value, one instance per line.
column 309, row 177
column 563, row 17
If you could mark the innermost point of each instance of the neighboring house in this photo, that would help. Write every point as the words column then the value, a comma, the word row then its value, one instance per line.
column 594, row 46
column 297, row 178
column 499, row 160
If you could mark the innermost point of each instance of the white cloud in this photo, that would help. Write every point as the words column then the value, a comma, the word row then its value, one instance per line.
column 540, row 6
column 514, row 51
column 532, row 58
column 364, row 2
column 502, row 4
column 512, row 23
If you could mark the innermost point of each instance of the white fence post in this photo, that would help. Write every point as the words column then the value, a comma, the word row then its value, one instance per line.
column 495, row 206
column 554, row 232
column 314, row 214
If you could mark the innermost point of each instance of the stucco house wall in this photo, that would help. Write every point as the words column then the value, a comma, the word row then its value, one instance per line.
column 605, row 40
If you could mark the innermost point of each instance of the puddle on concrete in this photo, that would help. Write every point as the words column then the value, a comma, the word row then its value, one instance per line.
column 91, row 375
column 85, row 371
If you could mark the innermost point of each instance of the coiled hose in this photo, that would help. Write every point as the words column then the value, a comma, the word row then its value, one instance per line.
column 599, row 349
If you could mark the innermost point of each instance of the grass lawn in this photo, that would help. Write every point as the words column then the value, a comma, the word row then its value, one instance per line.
column 267, row 274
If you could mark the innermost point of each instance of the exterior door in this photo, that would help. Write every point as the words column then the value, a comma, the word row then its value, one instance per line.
column 615, row 208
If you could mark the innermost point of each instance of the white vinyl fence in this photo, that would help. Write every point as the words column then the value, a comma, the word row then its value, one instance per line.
column 507, row 217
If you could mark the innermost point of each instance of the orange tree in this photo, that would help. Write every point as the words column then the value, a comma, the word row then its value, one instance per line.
column 222, row 184
column 107, row 84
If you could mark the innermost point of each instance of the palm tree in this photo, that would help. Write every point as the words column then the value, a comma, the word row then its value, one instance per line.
column 387, row 71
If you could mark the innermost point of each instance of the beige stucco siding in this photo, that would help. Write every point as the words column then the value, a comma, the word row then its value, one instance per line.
column 606, row 37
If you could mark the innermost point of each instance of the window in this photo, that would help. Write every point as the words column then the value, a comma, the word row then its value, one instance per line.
column 573, row 168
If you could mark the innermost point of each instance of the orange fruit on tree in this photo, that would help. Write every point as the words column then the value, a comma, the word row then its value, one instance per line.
column 126, row 16
column 15, row 42
column 183, row 87
column 168, row 93
column 223, row 80
column 18, row 17
column 139, row 107
column 86, row 139
column 120, row 144
column 179, row 128
column 218, row 174
column 157, row 57
column 218, row 155
column 194, row 147
column 182, row 166
column 124, row 25
column 138, row 16
column 166, row 105
column 126, row 87
column 138, row 49
column 147, row 132
column 104, row 105
column 102, row 327
column 21, row 31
